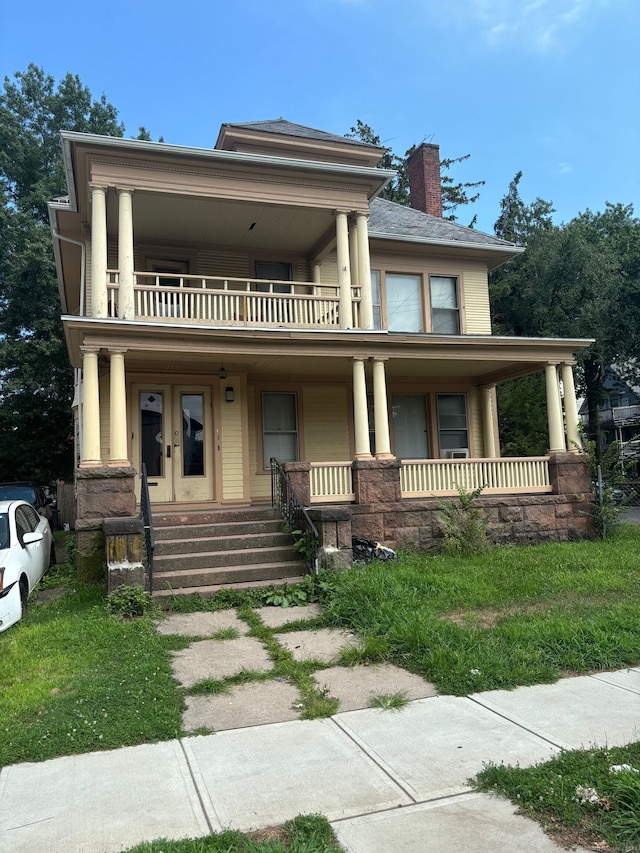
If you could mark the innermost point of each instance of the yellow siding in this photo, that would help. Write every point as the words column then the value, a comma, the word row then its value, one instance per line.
column 329, row 271
column 231, row 446
column 259, row 484
column 476, row 302
column 325, row 423
column 231, row 264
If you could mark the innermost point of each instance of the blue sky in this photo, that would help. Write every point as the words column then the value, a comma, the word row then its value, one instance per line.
column 549, row 87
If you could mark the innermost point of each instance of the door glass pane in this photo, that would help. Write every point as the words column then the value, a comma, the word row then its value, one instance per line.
column 404, row 304
column 151, row 438
column 409, row 413
column 192, row 411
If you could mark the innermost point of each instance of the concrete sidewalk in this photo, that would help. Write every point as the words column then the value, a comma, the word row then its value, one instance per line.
column 387, row 781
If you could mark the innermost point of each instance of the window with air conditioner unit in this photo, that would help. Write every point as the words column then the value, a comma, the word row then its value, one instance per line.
column 456, row 453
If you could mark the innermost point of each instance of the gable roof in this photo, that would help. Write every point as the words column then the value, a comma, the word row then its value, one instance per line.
column 390, row 220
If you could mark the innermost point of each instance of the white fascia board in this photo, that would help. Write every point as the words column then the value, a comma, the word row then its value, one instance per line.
column 449, row 244
column 69, row 137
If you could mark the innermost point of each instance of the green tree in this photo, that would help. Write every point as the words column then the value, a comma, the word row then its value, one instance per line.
column 454, row 194
column 580, row 279
column 36, row 382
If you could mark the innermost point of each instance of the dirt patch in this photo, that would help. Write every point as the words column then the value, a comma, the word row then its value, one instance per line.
column 47, row 595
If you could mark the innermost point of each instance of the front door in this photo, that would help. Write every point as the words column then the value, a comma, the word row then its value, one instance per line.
column 172, row 436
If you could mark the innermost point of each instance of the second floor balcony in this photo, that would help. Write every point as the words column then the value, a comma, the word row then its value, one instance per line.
column 212, row 300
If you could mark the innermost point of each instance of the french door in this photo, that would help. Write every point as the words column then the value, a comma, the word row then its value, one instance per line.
column 172, row 436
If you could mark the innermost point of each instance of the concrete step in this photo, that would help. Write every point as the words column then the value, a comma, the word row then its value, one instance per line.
column 225, row 576
column 247, row 542
column 214, row 516
column 164, row 596
column 218, row 529
column 216, row 559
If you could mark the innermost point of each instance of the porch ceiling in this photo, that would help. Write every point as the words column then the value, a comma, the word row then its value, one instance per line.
column 174, row 219
column 267, row 354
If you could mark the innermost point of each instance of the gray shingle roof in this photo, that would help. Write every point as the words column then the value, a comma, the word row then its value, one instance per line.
column 288, row 128
column 391, row 219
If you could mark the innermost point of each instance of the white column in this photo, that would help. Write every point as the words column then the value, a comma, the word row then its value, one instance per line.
column 380, row 411
column 486, row 394
column 315, row 276
column 360, row 412
column 90, row 410
column 126, row 310
column 118, row 454
column 570, row 409
column 344, row 271
column 554, row 409
column 353, row 252
column 99, row 252
column 364, row 272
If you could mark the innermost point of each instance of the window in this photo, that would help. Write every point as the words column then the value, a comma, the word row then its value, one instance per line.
column 169, row 268
column 410, row 436
column 453, row 434
column 445, row 315
column 375, row 299
column 404, row 302
column 279, row 427
column 273, row 271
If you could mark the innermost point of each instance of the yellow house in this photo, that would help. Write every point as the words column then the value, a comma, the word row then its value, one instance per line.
column 257, row 300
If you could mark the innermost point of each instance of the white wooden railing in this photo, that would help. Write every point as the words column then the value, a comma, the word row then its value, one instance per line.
column 508, row 475
column 233, row 301
column 331, row 481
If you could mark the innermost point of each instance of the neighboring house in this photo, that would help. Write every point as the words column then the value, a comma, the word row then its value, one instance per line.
column 225, row 306
column 618, row 415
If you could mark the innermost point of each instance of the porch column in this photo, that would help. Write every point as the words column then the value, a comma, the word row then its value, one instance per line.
column 315, row 276
column 345, row 308
column 118, row 454
column 486, row 394
column 126, row 310
column 380, row 411
column 570, row 409
column 90, row 454
column 360, row 413
column 364, row 272
column 353, row 253
column 99, row 301
column 554, row 409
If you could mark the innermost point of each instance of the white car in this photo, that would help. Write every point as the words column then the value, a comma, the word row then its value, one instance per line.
column 26, row 552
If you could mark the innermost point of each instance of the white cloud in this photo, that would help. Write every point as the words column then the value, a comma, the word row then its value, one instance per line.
column 563, row 168
column 537, row 24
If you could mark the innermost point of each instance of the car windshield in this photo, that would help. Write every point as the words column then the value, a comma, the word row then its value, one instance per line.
column 17, row 493
column 4, row 530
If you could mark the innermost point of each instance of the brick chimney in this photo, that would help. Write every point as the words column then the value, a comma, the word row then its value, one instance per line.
column 425, row 190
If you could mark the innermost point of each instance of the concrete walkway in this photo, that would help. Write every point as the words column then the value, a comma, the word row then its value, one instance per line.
column 387, row 780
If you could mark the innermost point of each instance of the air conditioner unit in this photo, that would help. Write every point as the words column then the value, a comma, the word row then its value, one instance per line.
column 457, row 453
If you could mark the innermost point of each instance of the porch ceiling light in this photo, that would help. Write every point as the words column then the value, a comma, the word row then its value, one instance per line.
column 222, row 373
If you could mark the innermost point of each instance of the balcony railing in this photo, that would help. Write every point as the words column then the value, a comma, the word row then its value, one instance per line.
column 233, row 301
column 331, row 481
column 421, row 478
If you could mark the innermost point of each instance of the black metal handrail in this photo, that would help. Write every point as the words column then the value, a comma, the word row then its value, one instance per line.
column 296, row 518
column 145, row 508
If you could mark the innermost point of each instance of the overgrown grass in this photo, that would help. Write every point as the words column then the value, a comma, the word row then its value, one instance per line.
column 304, row 834
column 557, row 794
column 511, row 616
column 75, row 678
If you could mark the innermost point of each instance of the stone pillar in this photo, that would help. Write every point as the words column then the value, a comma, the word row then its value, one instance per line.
column 554, row 409
column 570, row 409
column 118, row 451
column 90, row 454
column 334, row 528
column 99, row 301
column 381, row 411
column 345, row 309
column 364, row 272
column 486, row 394
column 360, row 412
column 126, row 304
column 299, row 473
column 377, row 482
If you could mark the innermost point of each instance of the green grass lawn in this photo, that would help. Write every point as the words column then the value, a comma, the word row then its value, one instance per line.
column 512, row 616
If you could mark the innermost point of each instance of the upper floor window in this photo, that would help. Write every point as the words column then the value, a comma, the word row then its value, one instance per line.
column 404, row 302
column 445, row 315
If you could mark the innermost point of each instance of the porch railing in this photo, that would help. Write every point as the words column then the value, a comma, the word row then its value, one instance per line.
column 145, row 508
column 233, row 301
column 296, row 518
column 331, row 481
column 497, row 476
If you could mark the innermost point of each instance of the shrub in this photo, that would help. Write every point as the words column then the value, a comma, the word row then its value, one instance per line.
column 463, row 526
column 129, row 601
